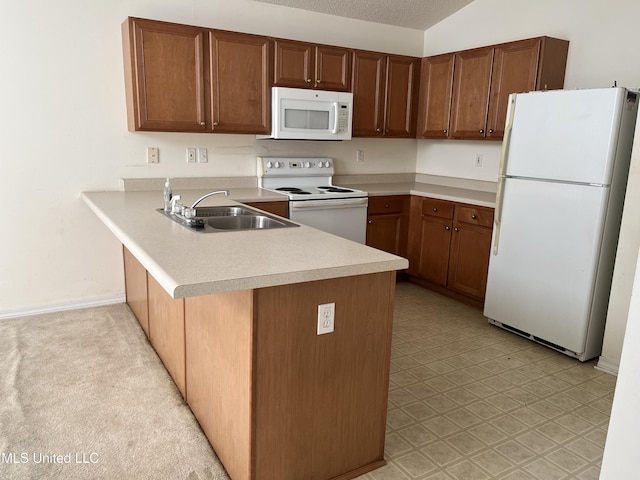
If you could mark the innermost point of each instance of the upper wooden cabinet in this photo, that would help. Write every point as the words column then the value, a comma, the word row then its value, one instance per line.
column 435, row 96
column 240, row 89
column 384, row 94
column 534, row 64
column 472, row 79
column 478, row 83
column 306, row 65
column 189, row 79
column 164, row 75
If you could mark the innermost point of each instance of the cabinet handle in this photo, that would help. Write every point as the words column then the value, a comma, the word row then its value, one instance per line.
column 435, row 209
column 445, row 130
column 215, row 124
column 378, row 130
column 370, row 222
column 455, row 229
column 447, row 228
column 386, row 205
column 308, row 80
column 481, row 130
column 491, row 130
column 474, row 216
column 202, row 123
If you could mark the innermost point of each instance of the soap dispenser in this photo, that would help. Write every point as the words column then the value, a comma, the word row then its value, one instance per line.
column 166, row 195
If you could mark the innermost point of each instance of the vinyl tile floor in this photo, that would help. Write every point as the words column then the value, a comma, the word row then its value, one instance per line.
column 470, row 401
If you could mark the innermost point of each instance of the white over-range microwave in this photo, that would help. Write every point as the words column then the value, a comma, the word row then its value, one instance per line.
column 301, row 114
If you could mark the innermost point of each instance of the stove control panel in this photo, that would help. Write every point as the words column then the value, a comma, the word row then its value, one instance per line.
column 285, row 166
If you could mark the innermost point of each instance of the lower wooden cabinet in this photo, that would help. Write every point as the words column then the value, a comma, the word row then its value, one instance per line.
column 280, row 208
column 135, row 285
column 264, row 386
column 470, row 250
column 388, row 223
column 449, row 245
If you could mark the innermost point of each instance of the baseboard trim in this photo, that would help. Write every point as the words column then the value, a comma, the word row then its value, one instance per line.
column 61, row 307
column 606, row 366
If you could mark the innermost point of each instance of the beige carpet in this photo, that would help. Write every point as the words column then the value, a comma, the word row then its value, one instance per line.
column 84, row 396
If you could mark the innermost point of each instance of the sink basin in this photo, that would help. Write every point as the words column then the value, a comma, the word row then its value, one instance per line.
column 224, row 211
column 228, row 219
column 244, row 222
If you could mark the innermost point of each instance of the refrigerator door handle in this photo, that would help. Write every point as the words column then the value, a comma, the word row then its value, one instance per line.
column 502, row 170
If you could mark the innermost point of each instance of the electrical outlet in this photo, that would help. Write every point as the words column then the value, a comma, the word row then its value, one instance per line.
column 153, row 155
column 326, row 318
column 478, row 159
column 359, row 156
column 202, row 155
column 191, row 155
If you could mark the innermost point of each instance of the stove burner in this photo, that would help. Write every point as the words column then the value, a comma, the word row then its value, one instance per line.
column 336, row 189
column 290, row 189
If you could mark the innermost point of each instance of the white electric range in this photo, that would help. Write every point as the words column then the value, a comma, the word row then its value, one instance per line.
column 313, row 199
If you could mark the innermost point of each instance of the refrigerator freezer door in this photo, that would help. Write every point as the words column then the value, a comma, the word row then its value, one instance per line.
column 542, row 278
column 565, row 135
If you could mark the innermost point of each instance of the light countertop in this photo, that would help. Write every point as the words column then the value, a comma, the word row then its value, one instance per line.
column 186, row 263
column 442, row 192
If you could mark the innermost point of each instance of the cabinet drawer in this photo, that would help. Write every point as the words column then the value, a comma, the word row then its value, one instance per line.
column 475, row 215
column 388, row 204
column 437, row 208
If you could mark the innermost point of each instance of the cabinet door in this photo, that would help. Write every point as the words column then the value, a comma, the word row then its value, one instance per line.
column 515, row 69
column 401, row 111
column 241, row 93
column 333, row 68
column 164, row 76
column 368, row 93
column 294, row 64
column 384, row 232
column 433, row 254
column 471, row 93
column 436, row 84
column 469, row 265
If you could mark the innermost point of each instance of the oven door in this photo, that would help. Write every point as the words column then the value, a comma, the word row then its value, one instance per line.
column 345, row 217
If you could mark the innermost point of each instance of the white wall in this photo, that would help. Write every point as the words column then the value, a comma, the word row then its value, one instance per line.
column 602, row 36
column 602, row 48
column 620, row 459
column 63, row 127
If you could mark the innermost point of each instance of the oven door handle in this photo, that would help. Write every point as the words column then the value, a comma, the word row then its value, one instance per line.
column 329, row 203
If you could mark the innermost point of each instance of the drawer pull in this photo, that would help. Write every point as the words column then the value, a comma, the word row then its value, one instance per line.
column 435, row 209
column 482, row 131
column 386, row 205
column 445, row 130
column 370, row 222
column 456, row 229
column 474, row 216
column 447, row 228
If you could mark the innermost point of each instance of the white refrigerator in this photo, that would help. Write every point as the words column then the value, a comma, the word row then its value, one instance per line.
column 561, row 186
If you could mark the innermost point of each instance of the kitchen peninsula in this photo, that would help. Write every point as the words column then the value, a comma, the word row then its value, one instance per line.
column 234, row 318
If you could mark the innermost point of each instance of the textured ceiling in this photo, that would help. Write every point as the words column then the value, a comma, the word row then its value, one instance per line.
column 418, row 14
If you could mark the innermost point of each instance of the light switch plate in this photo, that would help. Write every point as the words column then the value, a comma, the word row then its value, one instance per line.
column 202, row 155
column 153, row 155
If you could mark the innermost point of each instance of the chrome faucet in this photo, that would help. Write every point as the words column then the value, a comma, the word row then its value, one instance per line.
column 226, row 194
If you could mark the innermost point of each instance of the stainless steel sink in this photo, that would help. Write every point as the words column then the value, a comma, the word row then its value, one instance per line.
column 224, row 211
column 229, row 218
